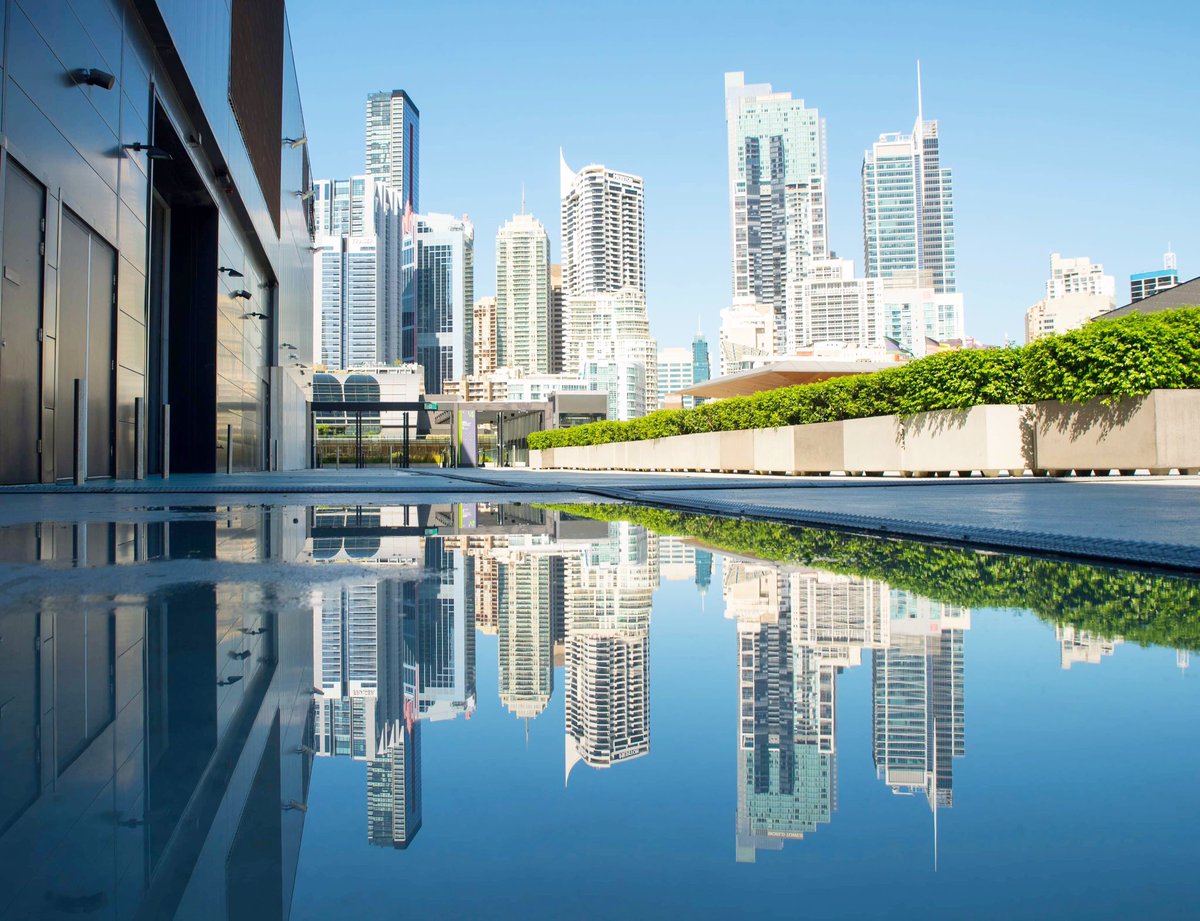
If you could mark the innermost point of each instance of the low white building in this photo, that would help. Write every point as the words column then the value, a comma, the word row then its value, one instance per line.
column 747, row 335
column 1077, row 291
column 607, row 344
column 913, row 316
column 836, row 306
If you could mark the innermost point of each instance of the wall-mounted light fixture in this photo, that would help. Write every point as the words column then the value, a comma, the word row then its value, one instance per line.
column 92, row 76
column 296, row 142
column 294, row 805
column 287, row 345
column 304, row 195
column 255, row 315
column 226, row 270
column 317, row 249
column 151, row 151
column 243, row 294
column 232, row 679
column 225, row 181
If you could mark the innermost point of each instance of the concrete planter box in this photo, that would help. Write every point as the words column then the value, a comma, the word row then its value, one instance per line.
column 989, row 439
column 736, row 450
column 1157, row 432
column 873, row 445
column 816, row 448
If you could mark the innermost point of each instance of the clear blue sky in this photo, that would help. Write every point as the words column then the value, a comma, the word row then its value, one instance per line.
column 1070, row 127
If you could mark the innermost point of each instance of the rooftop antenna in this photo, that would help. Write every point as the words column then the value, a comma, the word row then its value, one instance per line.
column 1169, row 261
column 522, row 198
column 920, row 103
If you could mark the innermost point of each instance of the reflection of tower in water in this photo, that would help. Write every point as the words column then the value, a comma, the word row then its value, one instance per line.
column 796, row 631
column 917, row 698
column 529, row 589
column 608, row 596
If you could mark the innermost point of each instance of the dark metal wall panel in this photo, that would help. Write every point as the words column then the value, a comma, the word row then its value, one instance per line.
column 256, row 89
column 20, row 319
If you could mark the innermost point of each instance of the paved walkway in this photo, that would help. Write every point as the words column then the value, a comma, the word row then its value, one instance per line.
column 1137, row 520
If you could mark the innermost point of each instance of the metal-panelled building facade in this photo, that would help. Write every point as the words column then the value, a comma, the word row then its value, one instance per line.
column 155, row 248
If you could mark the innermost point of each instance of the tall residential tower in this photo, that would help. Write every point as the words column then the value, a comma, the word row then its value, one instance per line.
column 777, row 184
column 393, row 144
column 603, row 230
column 523, row 302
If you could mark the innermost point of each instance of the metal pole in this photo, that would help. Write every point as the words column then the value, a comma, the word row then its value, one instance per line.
column 229, row 448
column 500, row 439
column 139, row 438
column 166, row 437
column 80, row 431
column 359, row 462
column 274, row 453
column 404, row 461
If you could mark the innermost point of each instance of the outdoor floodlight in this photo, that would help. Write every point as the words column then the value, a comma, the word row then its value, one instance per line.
column 91, row 76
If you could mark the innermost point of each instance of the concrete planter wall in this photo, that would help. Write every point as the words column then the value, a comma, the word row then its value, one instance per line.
column 989, row 439
column 874, row 445
column 1158, row 432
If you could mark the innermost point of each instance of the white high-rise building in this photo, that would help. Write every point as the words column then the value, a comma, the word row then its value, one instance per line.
column 362, row 274
column 777, row 186
column 523, row 299
column 393, row 144
column 837, row 307
column 608, row 345
column 1077, row 291
column 747, row 335
column 445, row 297
column 603, row 230
column 674, row 374
column 912, row 316
column 908, row 209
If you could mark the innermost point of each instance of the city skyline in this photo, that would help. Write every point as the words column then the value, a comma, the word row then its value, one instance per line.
column 861, row 90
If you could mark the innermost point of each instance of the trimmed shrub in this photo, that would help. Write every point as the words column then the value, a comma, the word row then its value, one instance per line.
column 1108, row 359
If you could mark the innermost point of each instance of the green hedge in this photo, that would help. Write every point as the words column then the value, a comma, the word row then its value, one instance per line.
column 1146, row 608
column 1110, row 359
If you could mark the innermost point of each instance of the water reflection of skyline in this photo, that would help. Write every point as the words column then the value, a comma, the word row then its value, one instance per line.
column 135, row 718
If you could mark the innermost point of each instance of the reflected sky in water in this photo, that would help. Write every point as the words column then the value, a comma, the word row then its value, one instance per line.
column 520, row 711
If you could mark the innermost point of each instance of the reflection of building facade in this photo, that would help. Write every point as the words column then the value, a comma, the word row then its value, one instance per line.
column 1083, row 646
column 148, row 739
column 394, row 786
column 609, row 590
column 917, row 697
column 528, row 587
column 786, row 777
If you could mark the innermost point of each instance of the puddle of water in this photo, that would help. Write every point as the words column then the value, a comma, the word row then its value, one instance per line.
column 583, row 711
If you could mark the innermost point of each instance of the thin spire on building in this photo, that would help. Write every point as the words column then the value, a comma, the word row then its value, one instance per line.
column 920, row 102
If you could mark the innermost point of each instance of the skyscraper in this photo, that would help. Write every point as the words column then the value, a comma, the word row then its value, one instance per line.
column 603, row 230
column 394, row 786
column 445, row 297
column 361, row 280
column 778, row 220
column 523, row 299
column 393, row 144
column 908, row 209
column 1076, row 291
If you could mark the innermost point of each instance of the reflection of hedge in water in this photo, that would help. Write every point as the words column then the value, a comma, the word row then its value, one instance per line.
column 1147, row 608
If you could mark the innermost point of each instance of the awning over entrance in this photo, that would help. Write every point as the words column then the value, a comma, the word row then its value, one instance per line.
column 782, row 374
